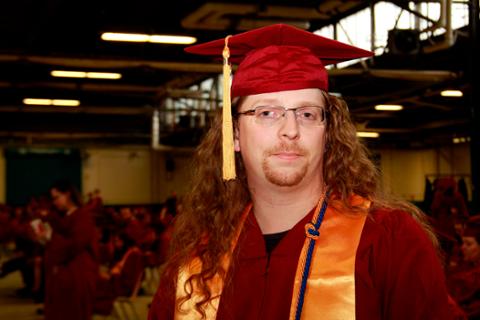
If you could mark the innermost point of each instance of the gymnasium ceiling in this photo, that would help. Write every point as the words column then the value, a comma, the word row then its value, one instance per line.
column 38, row 36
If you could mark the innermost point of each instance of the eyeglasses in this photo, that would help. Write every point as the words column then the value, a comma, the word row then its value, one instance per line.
column 310, row 116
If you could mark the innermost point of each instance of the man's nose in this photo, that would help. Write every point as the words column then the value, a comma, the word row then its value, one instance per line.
column 289, row 125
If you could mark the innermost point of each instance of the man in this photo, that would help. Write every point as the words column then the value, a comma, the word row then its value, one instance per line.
column 303, row 232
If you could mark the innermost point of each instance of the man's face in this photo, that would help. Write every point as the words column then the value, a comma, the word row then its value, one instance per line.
column 288, row 152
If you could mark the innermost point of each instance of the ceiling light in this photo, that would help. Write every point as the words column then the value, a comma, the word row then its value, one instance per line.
column 66, row 103
column 367, row 134
column 451, row 93
column 103, row 75
column 461, row 139
column 68, row 74
column 51, row 102
column 128, row 37
column 336, row 94
column 172, row 39
column 81, row 74
column 388, row 107
column 156, row 38
column 37, row 102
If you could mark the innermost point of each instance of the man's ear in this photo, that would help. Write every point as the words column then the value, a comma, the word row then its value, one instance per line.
column 236, row 139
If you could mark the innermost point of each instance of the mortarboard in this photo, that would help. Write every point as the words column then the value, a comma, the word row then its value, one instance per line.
column 271, row 59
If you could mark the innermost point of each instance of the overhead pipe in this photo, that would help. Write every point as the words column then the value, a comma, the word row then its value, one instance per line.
column 445, row 21
column 413, row 75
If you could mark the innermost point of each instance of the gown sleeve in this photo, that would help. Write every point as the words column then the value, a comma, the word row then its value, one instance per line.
column 415, row 286
column 65, row 247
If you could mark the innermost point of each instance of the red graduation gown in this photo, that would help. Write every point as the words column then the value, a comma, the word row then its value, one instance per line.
column 71, row 268
column 397, row 274
column 121, row 283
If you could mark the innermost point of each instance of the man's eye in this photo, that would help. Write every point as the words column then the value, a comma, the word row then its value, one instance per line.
column 308, row 114
column 267, row 113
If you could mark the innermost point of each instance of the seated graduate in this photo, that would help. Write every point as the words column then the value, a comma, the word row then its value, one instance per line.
column 121, row 277
column 464, row 282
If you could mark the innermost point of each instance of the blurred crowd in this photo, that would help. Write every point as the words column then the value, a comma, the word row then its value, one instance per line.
column 458, row 231
column 130, row 243
column 55, row 238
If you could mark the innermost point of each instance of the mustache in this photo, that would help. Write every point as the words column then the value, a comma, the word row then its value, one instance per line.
column 286, row 147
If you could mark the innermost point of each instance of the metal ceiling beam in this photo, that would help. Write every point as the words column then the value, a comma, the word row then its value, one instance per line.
column 242, row 16
column 419, row 103
column 112, row 63
column 189, row 67
column 408, row 75
column 68, row 85
column 427, row 126
column 84, row 110
column 69, row 136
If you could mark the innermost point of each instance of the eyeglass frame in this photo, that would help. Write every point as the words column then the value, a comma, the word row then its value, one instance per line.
column 252, row 112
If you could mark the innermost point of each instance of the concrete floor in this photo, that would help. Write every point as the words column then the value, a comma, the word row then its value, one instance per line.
column 14, row 308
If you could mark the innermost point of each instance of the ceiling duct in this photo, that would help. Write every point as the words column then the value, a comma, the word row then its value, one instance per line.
column 221, row 16
column 407, row 41
column 404, row 42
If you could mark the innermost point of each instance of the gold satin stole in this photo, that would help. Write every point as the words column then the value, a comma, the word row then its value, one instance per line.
column 330, row 292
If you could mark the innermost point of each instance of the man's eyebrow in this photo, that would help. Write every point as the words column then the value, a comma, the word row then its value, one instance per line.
column 265, row 101
column 276, row 102
column 311, row 104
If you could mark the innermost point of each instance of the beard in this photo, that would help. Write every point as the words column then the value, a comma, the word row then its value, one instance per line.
column 284, row 176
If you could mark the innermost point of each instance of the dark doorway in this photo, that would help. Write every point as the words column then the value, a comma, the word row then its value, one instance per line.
column 31, row 171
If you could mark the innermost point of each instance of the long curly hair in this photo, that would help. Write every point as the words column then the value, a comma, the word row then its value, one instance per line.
column 212, row 207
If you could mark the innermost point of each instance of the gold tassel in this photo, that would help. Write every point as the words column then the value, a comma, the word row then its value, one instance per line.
column 227, row 127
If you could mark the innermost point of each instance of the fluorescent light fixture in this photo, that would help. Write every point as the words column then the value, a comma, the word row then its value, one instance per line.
column 66, row 103
column 461, row 139
column 128, row 37
column 156, row 38
column 51, row 102
column 37, row 102
column 68, row 74
column 451, row 93
column 82, row 74
column 367, row 134
column 104, row 75
column 388, row 107
column 172, row 39
column 336, row 94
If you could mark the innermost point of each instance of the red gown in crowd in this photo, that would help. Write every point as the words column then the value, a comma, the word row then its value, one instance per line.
column 464, row 286
column 397, row 274
column 71, row 268
column 124, row 277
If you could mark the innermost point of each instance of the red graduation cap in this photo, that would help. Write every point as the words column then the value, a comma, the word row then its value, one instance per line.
column 279, row 57
column 271, row 59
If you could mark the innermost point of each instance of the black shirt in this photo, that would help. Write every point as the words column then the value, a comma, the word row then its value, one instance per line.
column 273, row 239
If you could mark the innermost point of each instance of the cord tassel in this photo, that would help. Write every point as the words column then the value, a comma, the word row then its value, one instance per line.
column 227, row 126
